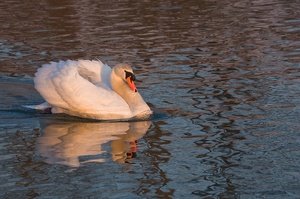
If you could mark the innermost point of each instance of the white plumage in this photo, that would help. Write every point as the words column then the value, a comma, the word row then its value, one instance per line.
column 90, row 89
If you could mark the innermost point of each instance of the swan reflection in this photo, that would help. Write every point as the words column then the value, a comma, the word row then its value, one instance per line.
column 75, row 143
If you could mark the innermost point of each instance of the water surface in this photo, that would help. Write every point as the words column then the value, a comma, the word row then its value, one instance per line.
column 222, row 77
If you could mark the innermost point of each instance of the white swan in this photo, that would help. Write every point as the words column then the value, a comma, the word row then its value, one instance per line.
column 90, row 89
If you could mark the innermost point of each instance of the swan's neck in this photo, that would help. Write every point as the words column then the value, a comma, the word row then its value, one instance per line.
column 133, row 99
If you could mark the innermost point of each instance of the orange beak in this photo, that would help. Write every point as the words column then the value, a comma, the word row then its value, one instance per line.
column 132, row 153
column 131, row 84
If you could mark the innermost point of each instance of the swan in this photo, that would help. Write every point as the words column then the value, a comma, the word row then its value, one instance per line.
column 90, row 89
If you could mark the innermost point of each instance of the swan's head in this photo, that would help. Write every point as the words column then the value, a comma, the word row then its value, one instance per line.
column 125, row 72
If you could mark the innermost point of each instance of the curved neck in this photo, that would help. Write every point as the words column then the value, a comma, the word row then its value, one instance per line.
column 133, row 99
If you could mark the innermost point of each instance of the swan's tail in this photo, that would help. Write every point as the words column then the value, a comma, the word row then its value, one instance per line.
column 42, row 106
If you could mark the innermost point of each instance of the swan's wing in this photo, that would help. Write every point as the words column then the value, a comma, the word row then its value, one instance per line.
column 62, row 86
column 44, row 85
column 94, row 71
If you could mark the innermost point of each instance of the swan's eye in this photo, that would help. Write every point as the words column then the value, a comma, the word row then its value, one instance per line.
column 130, row 75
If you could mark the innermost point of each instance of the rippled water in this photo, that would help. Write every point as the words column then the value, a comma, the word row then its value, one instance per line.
column 222, row 76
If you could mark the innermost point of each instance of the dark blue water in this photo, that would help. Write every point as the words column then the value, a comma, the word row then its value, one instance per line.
column 221, row 76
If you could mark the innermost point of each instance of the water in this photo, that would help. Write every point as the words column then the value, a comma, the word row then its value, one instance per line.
column 222, row 77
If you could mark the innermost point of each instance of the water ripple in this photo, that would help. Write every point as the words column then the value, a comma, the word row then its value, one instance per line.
column 223, row 73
